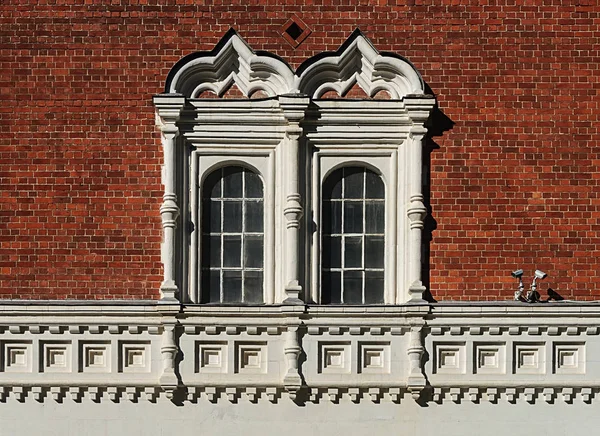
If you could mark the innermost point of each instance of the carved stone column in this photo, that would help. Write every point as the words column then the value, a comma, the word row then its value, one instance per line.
column 168, row 109
column 419, row 108
column 168, row 379
column 292, row 380
column 416, row 214
column 416, row 380
column 293, row 107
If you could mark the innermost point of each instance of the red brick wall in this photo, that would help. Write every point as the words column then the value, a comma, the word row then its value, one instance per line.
column 514, row 184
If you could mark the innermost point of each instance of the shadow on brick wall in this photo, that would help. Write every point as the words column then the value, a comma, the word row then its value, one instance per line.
column 437, row 124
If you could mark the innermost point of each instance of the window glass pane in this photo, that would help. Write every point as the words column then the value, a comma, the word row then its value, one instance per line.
column 232, row 255
column 232, row 182
column 211, row 216
column 332, row 187
column 356, row 216
column 332, row 217
column 253, row 287
column 331, row 288
column 253, row 252
column 232, row 286
column 212, row 185
column 211, row 286
column 232, row 249
column 374, row 185
column 353, row 287
column 253, row 185
column 214, row 248
column 353, row 182
column 375, row 217
column 353, row 252
column 374, row 251
column 254, row 216
column 232, row 216
column 353, row 217
column 374, row 287
column 214, row 212
column 332, row 252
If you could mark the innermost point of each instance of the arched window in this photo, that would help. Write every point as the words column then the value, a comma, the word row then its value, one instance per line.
column 232, row 264
column 353, row 240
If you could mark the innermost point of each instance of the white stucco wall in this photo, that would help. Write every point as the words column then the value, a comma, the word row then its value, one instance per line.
column 165, row 418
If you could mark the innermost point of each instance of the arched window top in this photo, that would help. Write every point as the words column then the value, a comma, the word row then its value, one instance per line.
column 353, row 237
column 234, row 182
column 353, row 182
column 232, row 236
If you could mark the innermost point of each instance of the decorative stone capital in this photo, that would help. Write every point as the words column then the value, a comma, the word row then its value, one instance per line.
column 294, row 108
column 168, row 110
column 417, row 132
column 419, row 108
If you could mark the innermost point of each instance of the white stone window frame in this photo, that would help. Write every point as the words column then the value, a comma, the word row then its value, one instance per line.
column 293, row 115
column 384, row 164
column 205, row 160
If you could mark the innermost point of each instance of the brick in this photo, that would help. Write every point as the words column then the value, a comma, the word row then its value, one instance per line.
column 514, row 183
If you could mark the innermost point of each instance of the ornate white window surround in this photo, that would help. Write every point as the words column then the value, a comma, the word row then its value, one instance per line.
column 293, row 139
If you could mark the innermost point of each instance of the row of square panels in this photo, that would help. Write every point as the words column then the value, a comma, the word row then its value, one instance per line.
column 371, row 357
column 492, row 358
column 58, row 356
column 251, row 357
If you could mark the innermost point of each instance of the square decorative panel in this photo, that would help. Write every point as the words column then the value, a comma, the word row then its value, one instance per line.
column 211, row 357
column 334, row 357
column 251, row 357
column 94, row 357
column 529, row 358
column 569, row 358
column 134, row 357
column 450, row 358
column 490, row 358
column 16, row 357
column 374, row 358
column 55, row 357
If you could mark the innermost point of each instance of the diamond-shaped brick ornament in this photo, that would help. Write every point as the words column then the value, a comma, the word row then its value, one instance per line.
column 294, row 31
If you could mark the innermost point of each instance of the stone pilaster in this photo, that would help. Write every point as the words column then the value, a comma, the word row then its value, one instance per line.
column 419, row 109
column 416, row 214
column 168, row 110
column 294, row 107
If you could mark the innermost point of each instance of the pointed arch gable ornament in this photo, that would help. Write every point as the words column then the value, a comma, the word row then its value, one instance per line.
column 293, row 137
column 232, row 61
